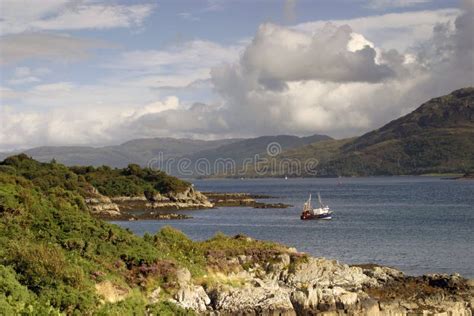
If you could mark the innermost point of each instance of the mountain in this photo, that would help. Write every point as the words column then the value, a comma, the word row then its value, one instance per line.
column 139, row 151
column 435, row 138
column 167, row 153
column 229, row 158
column 438, row 137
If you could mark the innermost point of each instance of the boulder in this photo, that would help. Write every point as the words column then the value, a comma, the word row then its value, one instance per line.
column 263, row 299
column 193, row 297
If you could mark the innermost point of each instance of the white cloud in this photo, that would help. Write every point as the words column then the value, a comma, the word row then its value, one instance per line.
column 385, row 4
column 175, row 66
column 81, row 121
column 31, row 15
column 276, row 85
column 8, row 94
column 393, row 30
column 187, row 54
column 278, row 54
column 26, row 75
column 18, row 47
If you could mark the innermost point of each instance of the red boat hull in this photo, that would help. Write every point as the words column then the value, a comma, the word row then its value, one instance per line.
column 309, row 216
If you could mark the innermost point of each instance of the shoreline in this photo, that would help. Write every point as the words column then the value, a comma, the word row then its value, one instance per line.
column 447, row 176
column 140, row 208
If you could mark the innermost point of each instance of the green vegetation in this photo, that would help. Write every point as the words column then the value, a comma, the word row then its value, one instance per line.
column 55, row 257
column 130, row 181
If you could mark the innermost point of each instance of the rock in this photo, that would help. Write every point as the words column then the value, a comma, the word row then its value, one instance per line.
column 327, row 273
column 409, row 305
column 383, row 273
column 392, row 308
column 285, row 259
column 154, row 296
column 347, row 300
column 193, row 297
column 183, row 276
column 190, row 295
column 370, row 307
column 243, row 259
column 122, row 207
column 304, row 300
column 253, row 300
column 102, row 206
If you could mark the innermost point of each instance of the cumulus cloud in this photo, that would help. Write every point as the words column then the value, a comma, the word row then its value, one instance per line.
column 393, row 30
column 18, row 47
column 88, row 123
column 330, row 79
column 280, row 54
column 30, row 15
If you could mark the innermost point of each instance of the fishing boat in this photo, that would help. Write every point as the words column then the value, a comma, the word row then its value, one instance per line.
column 323, row 212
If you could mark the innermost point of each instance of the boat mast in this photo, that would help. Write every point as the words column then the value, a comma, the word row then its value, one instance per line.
column 320, row 202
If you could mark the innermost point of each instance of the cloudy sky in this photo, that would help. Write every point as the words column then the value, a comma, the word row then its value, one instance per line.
column 95, row 72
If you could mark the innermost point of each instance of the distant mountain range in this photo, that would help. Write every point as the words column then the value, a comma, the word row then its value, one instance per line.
column 438, row 137
column 167, row 153
column 138, row 151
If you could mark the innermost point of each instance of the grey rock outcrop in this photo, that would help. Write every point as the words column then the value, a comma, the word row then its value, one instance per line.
column 190, row 198
column 101, row 205
column 317, row 286
column 189, row 295
column 122, row 207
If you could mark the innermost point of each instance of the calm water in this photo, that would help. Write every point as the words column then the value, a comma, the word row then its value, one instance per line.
column 416, row 224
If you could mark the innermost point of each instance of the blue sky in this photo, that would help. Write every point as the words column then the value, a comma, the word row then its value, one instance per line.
column 102, row 72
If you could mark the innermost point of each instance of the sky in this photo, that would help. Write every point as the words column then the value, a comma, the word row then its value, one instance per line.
column 93, row 72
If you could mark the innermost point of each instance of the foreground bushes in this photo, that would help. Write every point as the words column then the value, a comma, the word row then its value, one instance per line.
column 53, row 254
column 130, row 181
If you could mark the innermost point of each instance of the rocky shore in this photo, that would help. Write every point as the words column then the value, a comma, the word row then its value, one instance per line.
column 140, row 207
column 241, row 199
column 292, row 283
column 163, row 206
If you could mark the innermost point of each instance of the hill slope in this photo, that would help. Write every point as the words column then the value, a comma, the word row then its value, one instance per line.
column 164, row 153
column 138, row 151
column 435, row 138
column 245, row 150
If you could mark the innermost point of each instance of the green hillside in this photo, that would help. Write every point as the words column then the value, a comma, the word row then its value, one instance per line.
column 438, row 137
column 56, row 258
column 130, row 181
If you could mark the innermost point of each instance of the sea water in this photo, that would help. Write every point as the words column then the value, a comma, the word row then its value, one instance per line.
column 416, row 224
